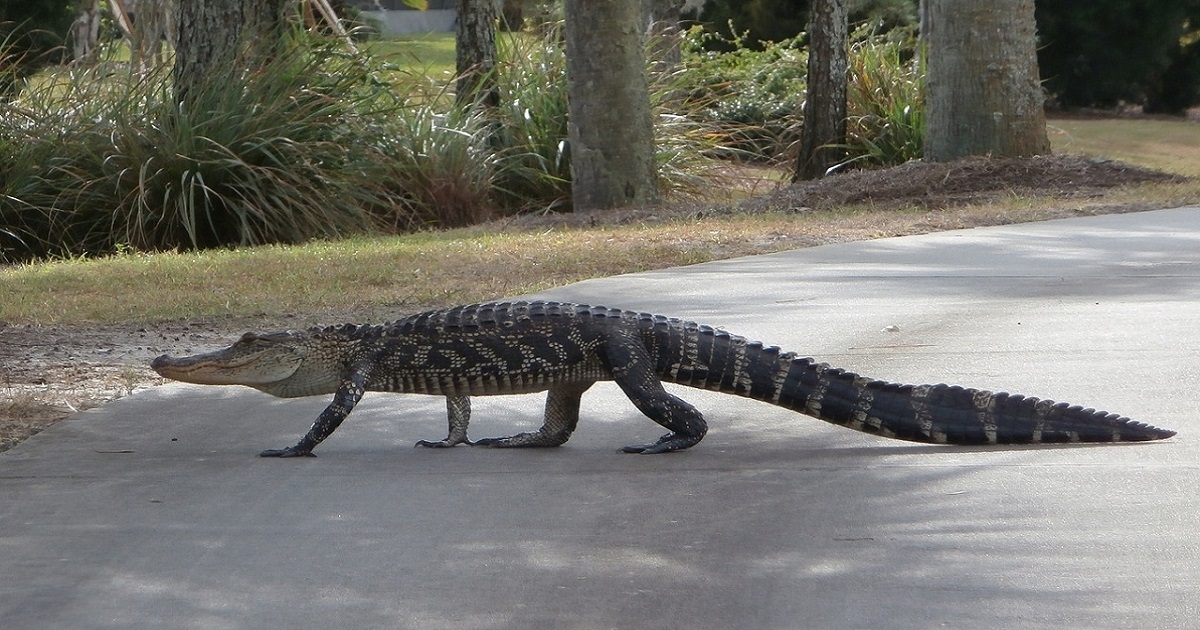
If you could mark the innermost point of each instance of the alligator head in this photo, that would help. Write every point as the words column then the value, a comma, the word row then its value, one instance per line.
column 285, row 364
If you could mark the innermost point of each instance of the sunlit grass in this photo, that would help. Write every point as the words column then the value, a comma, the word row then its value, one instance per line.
column 384, row 277
column 1166, row 145
column 367, row 274
column 431, row 53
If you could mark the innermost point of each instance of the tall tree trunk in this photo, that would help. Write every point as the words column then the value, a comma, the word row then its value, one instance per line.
column 475, row 53
column 662, row 18
column 513, row 14
column 209, row 40
column 265, row 24
column 611, row 130
column 825, row 102
column 217, row 37
column 983, row 93
column 85, row 32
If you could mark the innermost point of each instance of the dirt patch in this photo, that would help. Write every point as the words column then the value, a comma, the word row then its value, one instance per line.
column 48, row 373
column 974, row 180
column 932, row 186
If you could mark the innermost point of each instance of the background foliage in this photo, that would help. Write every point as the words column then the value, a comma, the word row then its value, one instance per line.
column 324, row 143
column 1102, row 53
column 1093, row 53
column 33, row 32
column 320, row 143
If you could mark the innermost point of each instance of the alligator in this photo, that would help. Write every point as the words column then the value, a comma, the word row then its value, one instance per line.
column 563, row 349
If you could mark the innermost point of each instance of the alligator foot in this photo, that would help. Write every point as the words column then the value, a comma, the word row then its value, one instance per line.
column 532, row 439
column 665, row 444
column 290, row 451
column 445, row 443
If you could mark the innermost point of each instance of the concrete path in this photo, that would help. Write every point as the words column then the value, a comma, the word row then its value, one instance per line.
column 153, row 512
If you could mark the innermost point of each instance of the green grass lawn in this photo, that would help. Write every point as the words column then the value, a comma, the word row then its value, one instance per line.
column 1166, row 145
column 431, row 53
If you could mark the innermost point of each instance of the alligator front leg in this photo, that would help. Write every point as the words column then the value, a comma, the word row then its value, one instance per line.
column 562, row 415
column 344, row 400
column 458, row 415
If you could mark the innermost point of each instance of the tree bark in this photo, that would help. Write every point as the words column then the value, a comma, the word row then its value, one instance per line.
column 825, row 101
column 85, row 32
column 513, row 12
column 217, row 37
column 265, row 23
column 983, row 91
column 662, row 18
column 611, row 129
column 209, row 37
column 475, row 53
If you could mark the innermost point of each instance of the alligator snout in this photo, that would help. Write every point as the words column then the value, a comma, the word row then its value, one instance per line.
column 160, row 362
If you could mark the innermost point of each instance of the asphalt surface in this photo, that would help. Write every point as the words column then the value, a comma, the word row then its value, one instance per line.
column 154, row 512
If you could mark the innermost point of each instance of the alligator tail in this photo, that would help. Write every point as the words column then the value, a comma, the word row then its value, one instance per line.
column 947, row 414
column 708, row 358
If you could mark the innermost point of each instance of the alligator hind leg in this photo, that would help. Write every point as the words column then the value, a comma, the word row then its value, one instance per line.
column 633, row 370
column 685, row 422
column 562, row 414
column 458, row 416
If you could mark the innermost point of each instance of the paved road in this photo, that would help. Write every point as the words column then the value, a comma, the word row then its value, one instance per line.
column 153, row 512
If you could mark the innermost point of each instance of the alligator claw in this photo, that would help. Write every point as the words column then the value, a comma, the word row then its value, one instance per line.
column 285, row 452
column 446, row 443
column 531, row 439
column 665, row 444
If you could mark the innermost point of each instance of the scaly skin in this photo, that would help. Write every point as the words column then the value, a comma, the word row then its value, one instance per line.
column 561, row 348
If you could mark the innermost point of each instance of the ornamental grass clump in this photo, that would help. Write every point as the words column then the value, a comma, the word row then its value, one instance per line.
column 885, row 99
column 102, row 159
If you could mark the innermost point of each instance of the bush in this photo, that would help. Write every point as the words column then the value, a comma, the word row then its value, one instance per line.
column 32, row 34
column 283, row 154
column 752, row 97
column 756, row 22
column 441, row 163
column 885, row 99
column 529, row 133
column 764, row 21
column 318, row 144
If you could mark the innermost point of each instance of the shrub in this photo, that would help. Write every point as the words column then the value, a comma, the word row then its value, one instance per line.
column 752, row 97
column 529, row 133
column 318, row 144
column 441, row 164
column 885, row 99
column 33, row 34
column 282, row 154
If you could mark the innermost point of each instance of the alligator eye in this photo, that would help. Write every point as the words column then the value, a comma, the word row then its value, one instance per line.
column 248, row 338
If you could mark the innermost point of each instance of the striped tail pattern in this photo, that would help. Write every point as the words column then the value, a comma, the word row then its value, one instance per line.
column 707, row 358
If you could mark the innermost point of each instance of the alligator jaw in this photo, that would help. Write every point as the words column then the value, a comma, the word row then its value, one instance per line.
column 193, row 370
column 250, row 362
